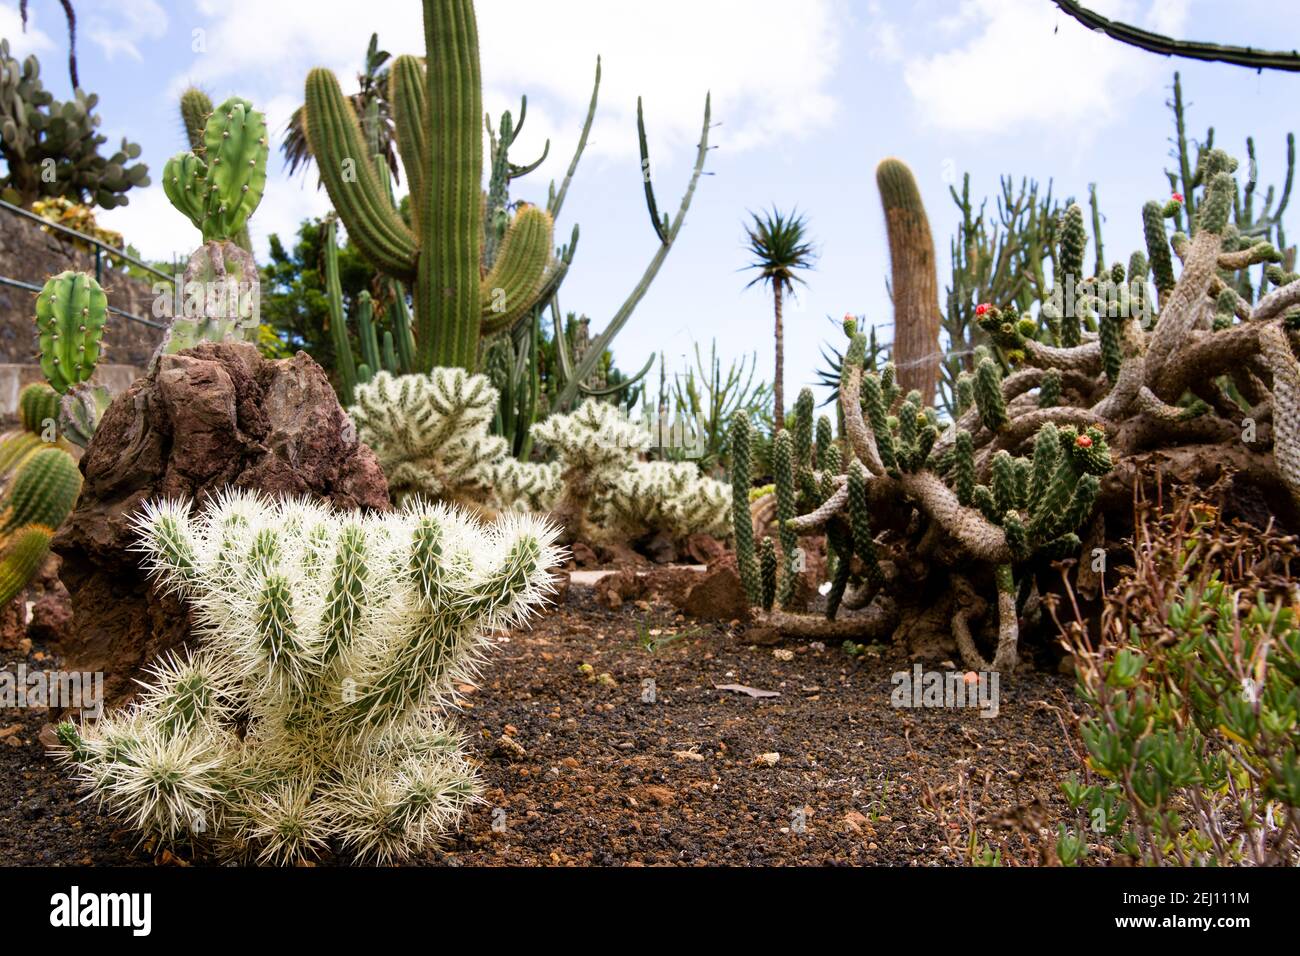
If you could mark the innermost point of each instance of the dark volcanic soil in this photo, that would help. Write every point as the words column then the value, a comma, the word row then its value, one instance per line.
column 607, row 778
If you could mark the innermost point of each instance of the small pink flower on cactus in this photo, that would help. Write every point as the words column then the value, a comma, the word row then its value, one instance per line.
column 1178, row 198
column 982, row 308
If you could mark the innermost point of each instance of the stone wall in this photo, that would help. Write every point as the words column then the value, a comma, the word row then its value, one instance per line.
column 30, row 254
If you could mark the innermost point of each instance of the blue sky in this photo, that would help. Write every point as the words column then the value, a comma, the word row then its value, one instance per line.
column 808, row 98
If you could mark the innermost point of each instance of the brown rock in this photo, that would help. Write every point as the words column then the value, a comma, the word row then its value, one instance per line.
column 13, row 621
column 212, row 417
column 615, row 589
column 659, row 548
column 51, row 620
column 581, row 556
column 704, row 548
column 719, row 596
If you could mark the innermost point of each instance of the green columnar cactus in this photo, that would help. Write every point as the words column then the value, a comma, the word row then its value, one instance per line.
column 825, row 443
column 1049, row 389
column 195, row 109
column 437, row 107
column 915, row 285
column 1074, row 243
column 864, row 544
column 783, row 472
column 312, row 712
column 767, row 562
column 988, row 395
column 70, row 313
column 44, row 491
column 742, row 526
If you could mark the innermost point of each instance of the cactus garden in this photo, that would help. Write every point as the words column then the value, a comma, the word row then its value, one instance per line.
column 920, row 487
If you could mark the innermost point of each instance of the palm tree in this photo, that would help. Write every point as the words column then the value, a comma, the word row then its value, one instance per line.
column 370, row 102
column 779, row 245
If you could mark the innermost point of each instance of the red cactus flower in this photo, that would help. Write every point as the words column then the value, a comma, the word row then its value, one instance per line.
column 1178, row 197
column 982, row 308
column 1083, row 441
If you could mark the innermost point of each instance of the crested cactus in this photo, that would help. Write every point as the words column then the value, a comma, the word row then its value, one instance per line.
column 311, row 715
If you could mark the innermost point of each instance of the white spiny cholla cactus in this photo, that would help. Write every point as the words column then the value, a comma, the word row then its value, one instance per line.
column 526, row 485
column 430, row 433
column 671, row 496
column 604, row 484
column 308, row 716
column 597, row 439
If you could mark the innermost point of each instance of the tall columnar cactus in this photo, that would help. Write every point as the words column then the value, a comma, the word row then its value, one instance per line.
column 437, row 106
column 1194, row 374
column 217, row 185
column 742, row 526
column 915, row 285
column 311, row 714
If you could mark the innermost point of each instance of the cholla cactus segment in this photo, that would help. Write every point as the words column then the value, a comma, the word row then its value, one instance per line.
column 430, row 433
column 598, row 437
column 668, row 496
column 526, row 485
column 310, row 713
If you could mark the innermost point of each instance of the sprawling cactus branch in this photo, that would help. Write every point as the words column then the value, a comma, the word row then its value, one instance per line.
column 1107, row 377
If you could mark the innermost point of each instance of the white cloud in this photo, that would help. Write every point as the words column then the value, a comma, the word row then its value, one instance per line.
column 117, row 26
column 34, row 40
column 1024, row 63
column 767, row 83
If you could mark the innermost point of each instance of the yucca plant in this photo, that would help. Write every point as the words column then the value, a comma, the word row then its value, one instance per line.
column 310, row 714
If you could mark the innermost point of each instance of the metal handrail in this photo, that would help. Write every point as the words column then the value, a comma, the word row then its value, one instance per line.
column 97, row 243
column 112, row 308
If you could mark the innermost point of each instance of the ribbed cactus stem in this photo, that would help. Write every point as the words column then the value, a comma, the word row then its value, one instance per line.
column 20, row 558
column 783, row 472
column 768, row 566
column 741, row 524
column 70, row 314
column 44, row 491
column 451, row 210
column 915, row 283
